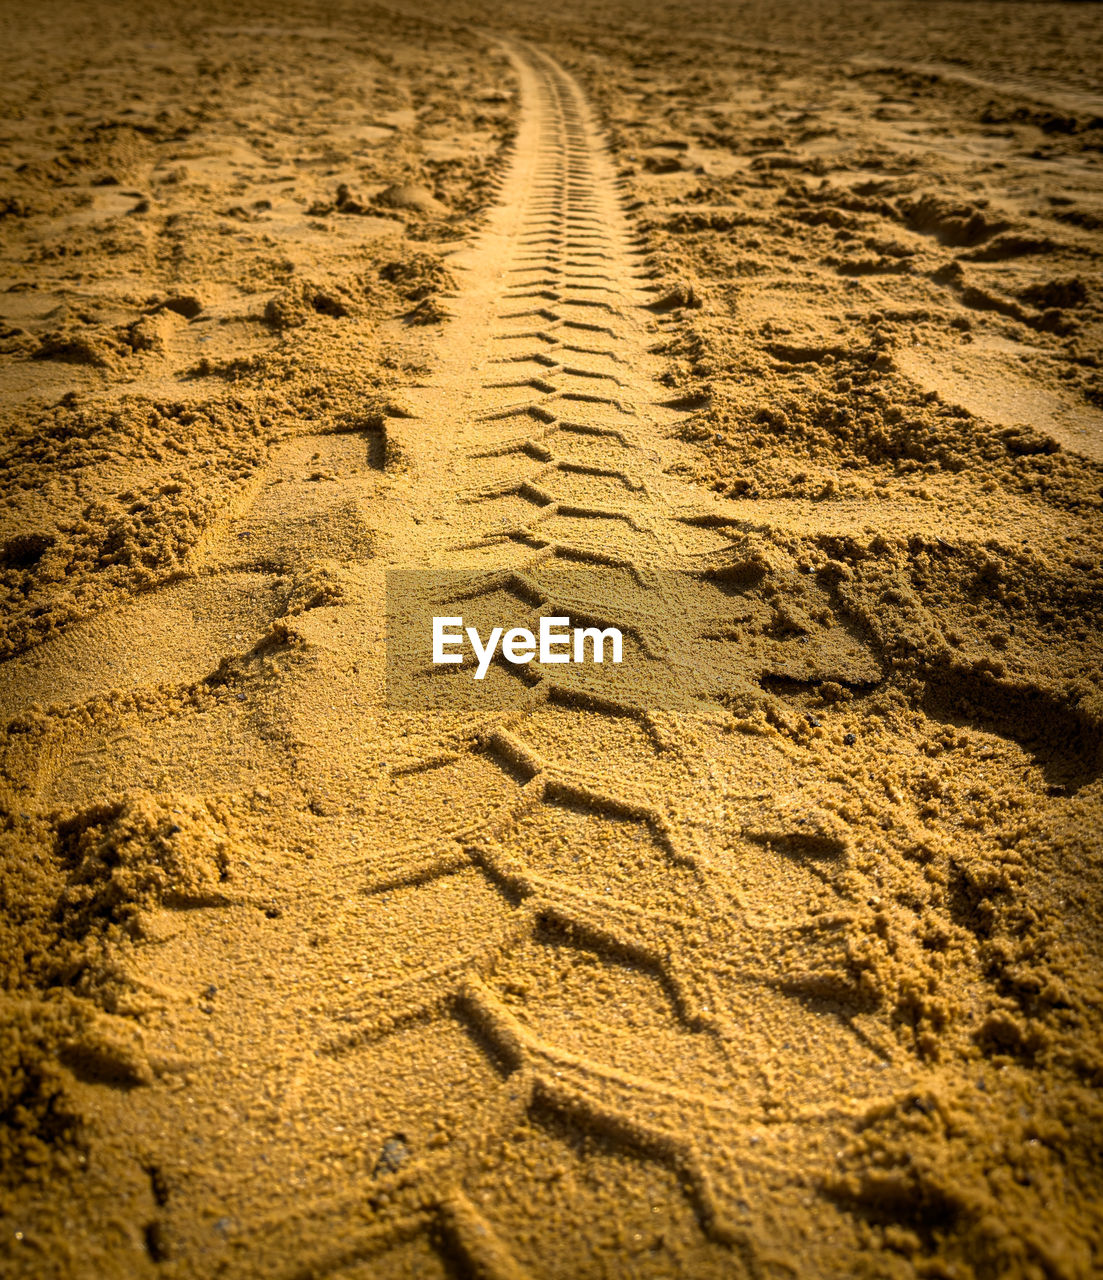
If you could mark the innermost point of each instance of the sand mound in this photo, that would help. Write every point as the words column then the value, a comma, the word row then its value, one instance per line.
column 770, row 333
column 143, row 853
column 410, row 195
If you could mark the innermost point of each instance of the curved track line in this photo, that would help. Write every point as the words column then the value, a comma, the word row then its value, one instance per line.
column 596, row 826
column 542, row 438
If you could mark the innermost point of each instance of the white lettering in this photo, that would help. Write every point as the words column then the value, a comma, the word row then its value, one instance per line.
column 518, row 645
column 484, row 655
column 442, row 638
column 597, row 640
column 548, row 637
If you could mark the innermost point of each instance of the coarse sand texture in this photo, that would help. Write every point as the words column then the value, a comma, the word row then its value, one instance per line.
column 767, row 334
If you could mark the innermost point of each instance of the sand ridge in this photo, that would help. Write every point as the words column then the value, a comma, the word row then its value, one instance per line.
column 798, row 982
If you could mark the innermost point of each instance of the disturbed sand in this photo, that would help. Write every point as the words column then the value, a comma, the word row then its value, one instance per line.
column 781, row 322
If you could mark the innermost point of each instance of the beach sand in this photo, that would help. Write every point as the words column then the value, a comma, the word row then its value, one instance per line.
column 768, row 331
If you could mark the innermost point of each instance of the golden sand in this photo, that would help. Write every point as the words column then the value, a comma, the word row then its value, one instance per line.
column 778, row 321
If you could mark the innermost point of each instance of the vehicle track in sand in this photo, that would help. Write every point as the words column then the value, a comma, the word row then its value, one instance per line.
column 544, row 1005
column 554, row 447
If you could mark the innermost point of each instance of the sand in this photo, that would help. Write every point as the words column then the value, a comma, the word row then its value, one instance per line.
column 768, row 331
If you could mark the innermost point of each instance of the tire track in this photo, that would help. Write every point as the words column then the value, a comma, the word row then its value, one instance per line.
column 591, row 987
column 613, row 876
